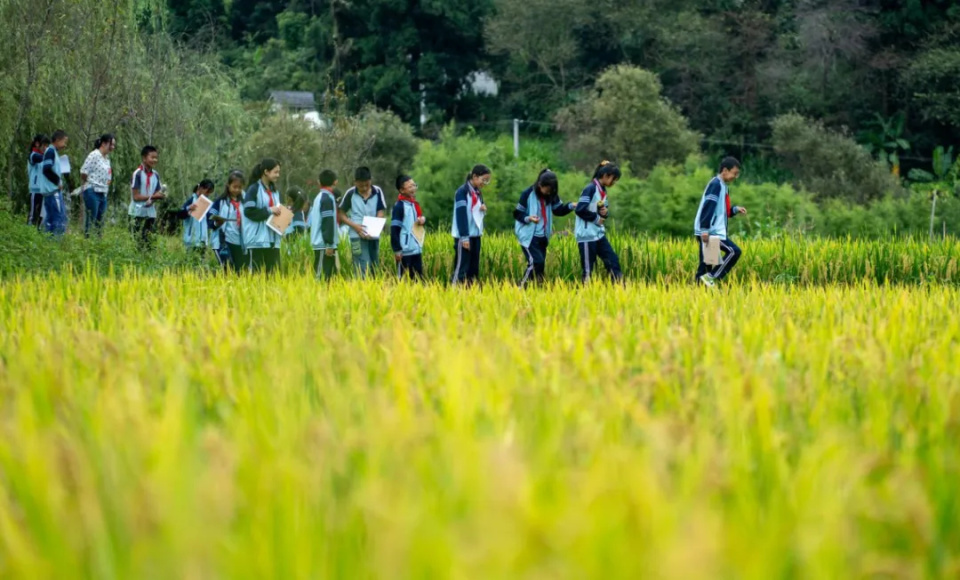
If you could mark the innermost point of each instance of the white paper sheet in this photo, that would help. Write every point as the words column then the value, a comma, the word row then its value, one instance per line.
column 64, row 164
column 373, row 226
column 478, row 216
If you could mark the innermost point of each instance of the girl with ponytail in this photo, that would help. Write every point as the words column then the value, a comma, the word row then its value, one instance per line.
column 592, row 211
column 534, row 215
column 260, row 202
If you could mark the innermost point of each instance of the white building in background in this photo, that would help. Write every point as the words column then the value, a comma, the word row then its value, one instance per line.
column 483, row 83
column 300, row 104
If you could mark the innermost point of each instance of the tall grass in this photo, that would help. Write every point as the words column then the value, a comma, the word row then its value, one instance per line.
column 799, row 260
column 189, row 426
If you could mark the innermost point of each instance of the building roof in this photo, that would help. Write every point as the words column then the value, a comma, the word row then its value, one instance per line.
column 294, row 99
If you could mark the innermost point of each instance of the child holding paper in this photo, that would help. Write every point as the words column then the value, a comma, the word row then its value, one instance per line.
column 363, row 200
column 195, row 232
column 407, row 249
column 324, row 234
column 711, row 220
column 261, row 202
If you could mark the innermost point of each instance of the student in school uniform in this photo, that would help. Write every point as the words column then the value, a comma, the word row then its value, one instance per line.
column 465, row 229
column 592, row 211
column 96, row 175
column 324, row 233
column 145, row 191
column 260, row 202
column 225, row 221
column 51, row 183
column 407, row 251
column 715, row 209
column 299, row 208
column 34, row 170
column 362, row 200
column 195, row 232
column 534, row 215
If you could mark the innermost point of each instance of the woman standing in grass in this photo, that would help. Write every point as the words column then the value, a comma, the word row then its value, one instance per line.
column 467, row 228
column 96, row 175
column 534, row 222
column 260, row 202
column 591, row 215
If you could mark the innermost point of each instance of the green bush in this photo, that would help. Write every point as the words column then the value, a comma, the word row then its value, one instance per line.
column 830, row 164
column 626, row 119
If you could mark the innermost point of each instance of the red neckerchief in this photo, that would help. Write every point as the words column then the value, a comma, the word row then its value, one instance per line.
column 603, row 192
column 236, row 207
column 473, row 195
column 40, row 151
column 269, row 194
column 543, row 211
column 148, row 173
column 414, row 202
column 728, row 203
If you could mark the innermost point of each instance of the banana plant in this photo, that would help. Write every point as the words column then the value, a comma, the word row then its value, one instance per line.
column 886, row 140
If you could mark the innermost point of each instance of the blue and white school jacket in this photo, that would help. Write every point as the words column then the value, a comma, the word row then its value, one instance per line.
column 464, row 226
column 532, row 205
column 402, row 240
column 35, row 170
column 228, row 232
column 714, row 210
column 194, row 232
column 258, row 202
column 49, row 167
column 324, row 234
column 591, row 199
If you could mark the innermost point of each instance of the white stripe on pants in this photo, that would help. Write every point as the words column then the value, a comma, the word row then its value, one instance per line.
column 719, row 270
column 456, row 269
column 529, row 271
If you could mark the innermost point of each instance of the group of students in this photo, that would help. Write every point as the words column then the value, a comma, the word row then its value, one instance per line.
column 236, row 225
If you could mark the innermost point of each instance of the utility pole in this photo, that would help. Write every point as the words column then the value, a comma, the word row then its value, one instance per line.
column 516, row 138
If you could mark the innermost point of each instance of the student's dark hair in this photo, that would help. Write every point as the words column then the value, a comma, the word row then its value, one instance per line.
column 147, row 150
column 205, row 184
column 296, row 197
column 328, row 177
column 401, row 180
column 58, row 135
column 479, row 170
column 268, row 164
column 729, row 163
column 105, row 138
column 39, row 140
column 362, row 174
column 607, row 168
column 235, row 175
column 548, row 179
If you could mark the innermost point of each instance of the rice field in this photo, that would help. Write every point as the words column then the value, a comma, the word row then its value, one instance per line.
column 188, row 425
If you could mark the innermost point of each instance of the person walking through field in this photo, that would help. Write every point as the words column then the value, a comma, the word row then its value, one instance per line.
column 534, row 215
column 715, row 209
